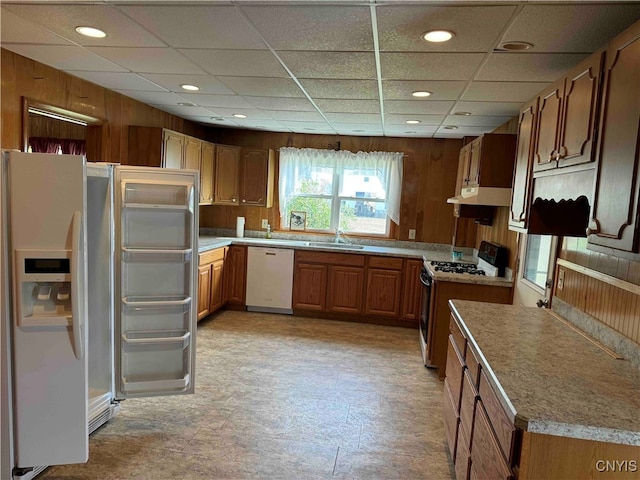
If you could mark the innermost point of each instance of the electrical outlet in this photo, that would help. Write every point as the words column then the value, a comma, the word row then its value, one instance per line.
column 412, row 234
column 560, row 285
column 265, row 222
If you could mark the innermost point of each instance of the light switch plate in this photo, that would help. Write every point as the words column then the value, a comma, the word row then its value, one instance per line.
column 412, row 234
column 265, row 222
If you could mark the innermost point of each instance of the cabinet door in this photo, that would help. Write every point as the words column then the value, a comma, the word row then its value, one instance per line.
column 486, row 457
column 580, row 102
column 310, row 286
column 207, row 163
column 465, row 161
column 521, row 191
column 254, row 177
column 548, row 128
column 172, row 149
column 474, row 163
column 191, row 157
column 344, row 290
column 216, row 300
column 225, row 189
column 615, row 208
column 236, row 272
column 383, row 292
column 412, row 291
column 204, row 290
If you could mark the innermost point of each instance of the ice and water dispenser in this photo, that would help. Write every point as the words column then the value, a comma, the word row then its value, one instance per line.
column 44, row 287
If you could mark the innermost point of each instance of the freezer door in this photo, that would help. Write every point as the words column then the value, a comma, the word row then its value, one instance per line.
column 156, row 248
column 49, row 332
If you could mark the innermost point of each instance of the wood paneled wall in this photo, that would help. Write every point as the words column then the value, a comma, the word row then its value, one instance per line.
column 40, row 126
column 430, row 169
column 610, row 302
column 499, row 233
column 22, row 77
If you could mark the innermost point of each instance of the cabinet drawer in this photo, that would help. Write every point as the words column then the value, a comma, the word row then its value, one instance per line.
column 467, row 402
column 451, row 420
column 460, row 340
column 211, row 256
column 454, row 372
column 390, row 263
column 486, row 458
column 473, row 365
column 502, row 426
column 347, row 259
column 462, row 454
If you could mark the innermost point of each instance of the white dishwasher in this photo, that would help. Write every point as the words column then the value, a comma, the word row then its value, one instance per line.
column 269, row 279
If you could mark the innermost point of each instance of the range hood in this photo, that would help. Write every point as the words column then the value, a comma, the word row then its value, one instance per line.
column 489, row 196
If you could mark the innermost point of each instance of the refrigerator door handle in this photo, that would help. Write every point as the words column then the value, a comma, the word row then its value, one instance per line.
column 76, row 279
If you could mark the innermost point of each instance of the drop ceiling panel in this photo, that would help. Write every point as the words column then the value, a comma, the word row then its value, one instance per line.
column 503, row 91
column 15, row 29
column 352, row 127
column 281, row 103
column 489, row 108
column 528, row 67
column 441, row 90
column 262, row 87
column 225, row 101
column 417, row 106
column 156, row 98
column 461, row 132
column 186, row 111
column 429, row 66
column 360, row 132
column 118, row 81
column 339, row 65
column 63, row 19
column 348, row 106
column 65, row 58
column 476, row 28
column 313, row 27
column 362, row 118
column 251, row 113
column 476, row 120
column 295, row 116
column 571, row 28
column 148, row 60
column 314, row 127
column 196, row 26
column 346, row 89
column 241, row 63
column 411, row 130
column 258, row 123
column 172, row 82
column 424, row 120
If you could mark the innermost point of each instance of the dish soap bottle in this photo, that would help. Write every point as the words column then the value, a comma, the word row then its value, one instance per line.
column 268, row 231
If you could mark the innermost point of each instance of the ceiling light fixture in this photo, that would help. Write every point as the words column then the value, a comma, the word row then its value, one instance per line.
column 412, row 122
column 187, row 104
column 421, row 93
column 91, row 32
column 464, row 114
column 239, row 115
column 450, row 127
column 217, row 119
column 515, row 46
column 191, row 88
column 438, row 36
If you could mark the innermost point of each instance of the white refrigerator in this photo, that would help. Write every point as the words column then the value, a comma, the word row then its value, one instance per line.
column 98, row 288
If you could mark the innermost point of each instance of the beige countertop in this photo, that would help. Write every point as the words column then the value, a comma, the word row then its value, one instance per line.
column 552, row 380
column 206, row 242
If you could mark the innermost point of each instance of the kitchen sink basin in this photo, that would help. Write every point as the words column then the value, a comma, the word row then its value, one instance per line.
column 336, row 245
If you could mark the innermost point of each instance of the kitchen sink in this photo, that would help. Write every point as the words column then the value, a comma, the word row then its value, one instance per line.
column 336, row 245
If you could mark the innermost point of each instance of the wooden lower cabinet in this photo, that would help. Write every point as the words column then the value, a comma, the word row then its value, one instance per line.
column 204, row 290
column 486, row 456
column 310, row 286
column 344, row 293
column 383, row 292
column 411, row 290
column 451, row 419
column 463, row 458
column 210, row 281
column 216, row 298
column 236, row 273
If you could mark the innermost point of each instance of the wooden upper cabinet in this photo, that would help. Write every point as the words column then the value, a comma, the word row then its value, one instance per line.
column 566, row 124
column 225, row 182
column 464, row 163
column 257, row 177
column 172, row 149
column 192, row 151
column 207, row 167
column 615, row 208
column 522, row 181
column 490, row 161
column 473, row 173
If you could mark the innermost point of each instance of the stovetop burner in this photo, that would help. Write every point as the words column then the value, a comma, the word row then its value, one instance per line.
column 457, row 267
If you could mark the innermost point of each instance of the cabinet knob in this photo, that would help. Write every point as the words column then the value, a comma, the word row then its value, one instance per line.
column 592, row 228
column 233, row 199
column 244, row 200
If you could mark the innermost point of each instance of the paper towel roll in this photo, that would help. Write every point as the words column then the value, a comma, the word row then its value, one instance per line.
column 240, row 227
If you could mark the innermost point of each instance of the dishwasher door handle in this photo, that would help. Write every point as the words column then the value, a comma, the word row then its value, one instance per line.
column 269, row 253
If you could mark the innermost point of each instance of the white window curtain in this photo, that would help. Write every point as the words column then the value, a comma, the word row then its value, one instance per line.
column 387, row 164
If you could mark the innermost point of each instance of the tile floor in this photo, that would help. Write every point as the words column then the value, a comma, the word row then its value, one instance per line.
column 281, row 397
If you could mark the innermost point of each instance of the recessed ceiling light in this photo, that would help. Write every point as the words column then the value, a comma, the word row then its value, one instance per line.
column 186, row 104
column 464, row 114
column 239, row 115
column 438, row 36
column 413, row 122
column 217, row 119
column 450, row 127
column 191, row 88
column 91, row 32
column 421, row 94
column 515, row 46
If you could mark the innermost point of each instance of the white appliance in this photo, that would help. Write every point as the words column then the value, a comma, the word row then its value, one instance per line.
column 99, row 267
column 269, row 279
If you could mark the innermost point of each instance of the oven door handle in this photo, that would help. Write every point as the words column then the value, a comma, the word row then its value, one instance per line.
column 426, row 281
